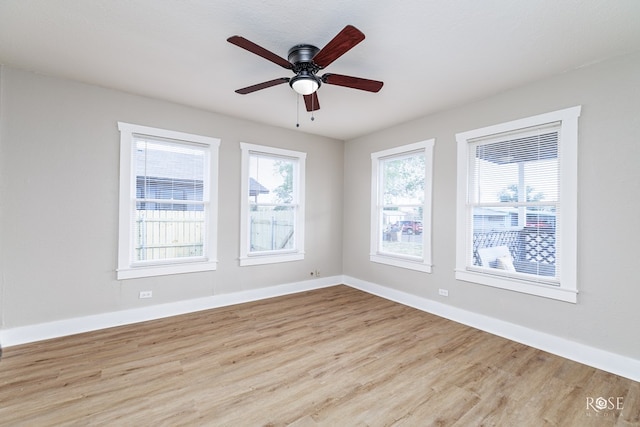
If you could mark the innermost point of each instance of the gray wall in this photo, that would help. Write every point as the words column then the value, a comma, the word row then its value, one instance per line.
column 59, row 166
column 59, row 149
column 607, row 312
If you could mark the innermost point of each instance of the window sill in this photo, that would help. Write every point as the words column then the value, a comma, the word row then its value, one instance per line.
column 523, row 286
column 270, row 259
column 165, row 270
column 402, row 263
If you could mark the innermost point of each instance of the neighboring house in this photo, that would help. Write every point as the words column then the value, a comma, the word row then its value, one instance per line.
column 168, row 175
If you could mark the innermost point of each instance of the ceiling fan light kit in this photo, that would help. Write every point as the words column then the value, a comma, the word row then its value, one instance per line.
column 304, row 83
column 305, row 61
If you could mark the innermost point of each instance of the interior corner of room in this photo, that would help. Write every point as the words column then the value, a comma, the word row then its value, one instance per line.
column 60, row 199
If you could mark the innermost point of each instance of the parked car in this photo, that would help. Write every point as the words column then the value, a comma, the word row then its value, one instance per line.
column 411, row 227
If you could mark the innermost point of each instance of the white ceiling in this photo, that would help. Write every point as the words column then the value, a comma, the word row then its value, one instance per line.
column 431, row 55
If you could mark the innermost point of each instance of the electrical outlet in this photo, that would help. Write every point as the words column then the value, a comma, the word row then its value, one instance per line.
column 443, row 292
column 146, row 294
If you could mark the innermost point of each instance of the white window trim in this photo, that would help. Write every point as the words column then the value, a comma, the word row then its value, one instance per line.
column 127, row 269
column 246, row 258
column 375, row 255
column 568, row 233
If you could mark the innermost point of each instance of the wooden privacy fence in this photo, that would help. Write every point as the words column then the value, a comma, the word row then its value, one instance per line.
column 271, row 230
column 166, row 234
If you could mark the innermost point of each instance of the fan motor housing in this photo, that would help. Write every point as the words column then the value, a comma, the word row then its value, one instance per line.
column 301, row 56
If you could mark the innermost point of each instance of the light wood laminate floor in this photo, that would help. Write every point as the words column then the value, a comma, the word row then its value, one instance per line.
column 329, row 357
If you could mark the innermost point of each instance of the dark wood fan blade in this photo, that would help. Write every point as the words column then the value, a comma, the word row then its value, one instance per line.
column 352, row 82
column 260, row 51
column 264, row 85
column 338, row 46
column 311, row 101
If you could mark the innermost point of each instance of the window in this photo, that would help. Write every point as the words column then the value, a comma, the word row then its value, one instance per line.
column 272, row 215
column 168, row 202
column 517, row 205
column 401, row 206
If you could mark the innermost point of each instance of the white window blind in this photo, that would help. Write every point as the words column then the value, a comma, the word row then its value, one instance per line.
column 514, row 203
column 516, row 225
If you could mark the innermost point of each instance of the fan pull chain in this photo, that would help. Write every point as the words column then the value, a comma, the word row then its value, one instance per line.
column 298, row 111
column 312, row 107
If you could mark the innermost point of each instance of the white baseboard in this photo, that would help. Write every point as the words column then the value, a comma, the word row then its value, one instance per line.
column 601, row 359
column 59, row 328
column 591, row 356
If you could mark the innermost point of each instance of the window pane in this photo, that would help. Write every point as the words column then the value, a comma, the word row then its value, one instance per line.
column 170, row 171
column 403, row 180
column 510, row 180
column 527, row 250
column 272, row 206
column 271, row 179
column 515, row 229
column 402, row 232
column 168, row 233
column 271, row 228
column 401, row 206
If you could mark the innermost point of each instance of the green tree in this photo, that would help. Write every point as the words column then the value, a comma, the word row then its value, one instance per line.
column 284, row 192
column 404, row 179
column 510, row 194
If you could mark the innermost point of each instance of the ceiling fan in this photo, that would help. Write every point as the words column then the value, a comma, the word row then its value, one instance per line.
column 305, row 61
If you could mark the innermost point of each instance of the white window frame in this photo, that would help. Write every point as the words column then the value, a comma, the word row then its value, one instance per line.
column 127, row 267
column 566, row 237
column 376, row 254
column 297, row 253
